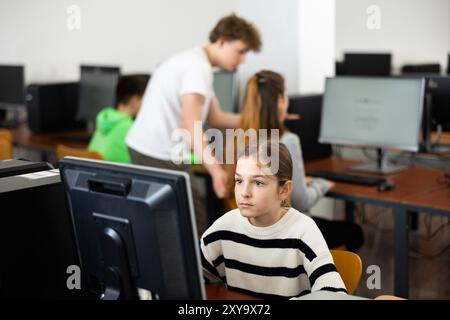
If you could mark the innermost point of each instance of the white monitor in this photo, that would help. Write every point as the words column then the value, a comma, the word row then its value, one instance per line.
column 225, row 88
column 377, row 112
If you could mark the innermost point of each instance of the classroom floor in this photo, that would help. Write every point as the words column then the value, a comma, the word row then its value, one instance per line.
column 429, row 255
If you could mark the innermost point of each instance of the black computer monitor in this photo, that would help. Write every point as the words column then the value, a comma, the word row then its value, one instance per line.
column 367, row 64
column 384, row 113
column 97, row 90
column 12, row 85
column 309, row 107
column 421, row 69
column 448, row 64
column 134, row 228
column 439, row 90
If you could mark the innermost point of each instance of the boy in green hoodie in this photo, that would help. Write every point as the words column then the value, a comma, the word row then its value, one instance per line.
column 112, row 125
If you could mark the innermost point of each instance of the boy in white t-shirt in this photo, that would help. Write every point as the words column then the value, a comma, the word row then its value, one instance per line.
column 181, row 93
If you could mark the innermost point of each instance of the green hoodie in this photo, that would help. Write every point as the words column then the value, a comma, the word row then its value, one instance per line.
column 109, row 138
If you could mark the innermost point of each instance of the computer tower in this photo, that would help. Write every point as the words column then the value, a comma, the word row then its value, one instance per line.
column 309, row 107
column 14, row 167
column 52, row 107
column 36, row 239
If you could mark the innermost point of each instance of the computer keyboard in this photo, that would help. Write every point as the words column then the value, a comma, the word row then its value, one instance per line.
column 347, row 178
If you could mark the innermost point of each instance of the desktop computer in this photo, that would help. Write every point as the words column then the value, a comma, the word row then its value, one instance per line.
column 36, row 238
column 13, row 167
column 367, row 64
column 52, row 106
column 97, row 90
column 438, row 88
column 12, row 89
column 385, row 113
column 309, row 107
column 421, row 69
column 134, row 228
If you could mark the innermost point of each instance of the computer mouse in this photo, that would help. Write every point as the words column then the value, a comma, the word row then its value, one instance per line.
column 386, row 186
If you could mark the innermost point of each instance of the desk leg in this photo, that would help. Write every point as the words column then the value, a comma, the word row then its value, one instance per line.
column 349, row 211
column 401, row 266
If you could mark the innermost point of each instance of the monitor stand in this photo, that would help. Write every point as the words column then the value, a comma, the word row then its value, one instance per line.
column 381, row 166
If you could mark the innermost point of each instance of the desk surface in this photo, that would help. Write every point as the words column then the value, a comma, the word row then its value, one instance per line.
column 23, row 136
column 436, row 199
column 219, row 293
column 417, row 189
column 409, row 183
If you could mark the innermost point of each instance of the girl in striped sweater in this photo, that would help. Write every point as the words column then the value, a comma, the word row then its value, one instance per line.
column 264, row 247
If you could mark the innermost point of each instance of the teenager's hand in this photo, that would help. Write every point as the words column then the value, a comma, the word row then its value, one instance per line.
column 292, row 116
column 220, row 183
column 330, row 184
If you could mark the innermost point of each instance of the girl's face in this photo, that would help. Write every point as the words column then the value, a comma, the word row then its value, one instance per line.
column 283, row 104
column 257, row 194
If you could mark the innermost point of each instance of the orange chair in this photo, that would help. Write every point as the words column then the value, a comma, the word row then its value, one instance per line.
column 65, row 151
column 6, row 145
column 349, row 266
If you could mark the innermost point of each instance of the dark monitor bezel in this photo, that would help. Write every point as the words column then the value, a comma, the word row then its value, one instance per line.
column 121, row 170
column 81, row 116
column 11, row 102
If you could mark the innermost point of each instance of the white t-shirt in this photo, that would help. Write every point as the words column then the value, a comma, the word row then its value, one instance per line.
column 161, row 110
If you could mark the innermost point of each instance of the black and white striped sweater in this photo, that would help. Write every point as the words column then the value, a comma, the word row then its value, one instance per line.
column 287, row 259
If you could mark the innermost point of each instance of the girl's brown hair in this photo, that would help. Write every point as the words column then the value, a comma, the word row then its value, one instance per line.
column 260, row 109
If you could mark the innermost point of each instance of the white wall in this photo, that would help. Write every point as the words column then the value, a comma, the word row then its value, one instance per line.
column 415, row 31
column 316, row 44
column 135, row 34
column 278, row 24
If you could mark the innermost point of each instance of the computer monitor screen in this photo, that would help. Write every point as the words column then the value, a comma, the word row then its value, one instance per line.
column 226, row 90
column 12, row 85
column 378, row 112
column 309, row 107
column 134, row 228
column 439, row 89
column 367, row 64
column 97, row 90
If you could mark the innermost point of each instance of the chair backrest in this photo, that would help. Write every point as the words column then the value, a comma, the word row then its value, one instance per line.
column 349, row 266
column 64, row 151
column 6, row 145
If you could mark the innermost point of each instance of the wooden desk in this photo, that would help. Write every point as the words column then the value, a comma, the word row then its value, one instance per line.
column 217, row 293
column 46, row 142
column 417, row 189
column 443, row 138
